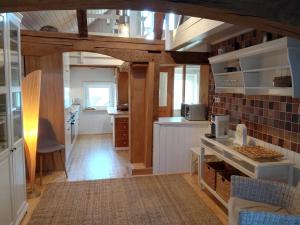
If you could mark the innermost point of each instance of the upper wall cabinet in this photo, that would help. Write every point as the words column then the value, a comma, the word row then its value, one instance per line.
column 270, row 68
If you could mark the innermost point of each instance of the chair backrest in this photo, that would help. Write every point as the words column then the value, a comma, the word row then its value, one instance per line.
column 294, row 207
column 46, row 134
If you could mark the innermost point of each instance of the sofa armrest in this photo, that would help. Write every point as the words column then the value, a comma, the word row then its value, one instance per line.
column 266, row 218
column 260, row 190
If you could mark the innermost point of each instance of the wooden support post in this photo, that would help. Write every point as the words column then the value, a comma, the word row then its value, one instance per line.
column 82, row 23
column 151, row 109
column 204, row 84
column 183, row 83
column 158, row 25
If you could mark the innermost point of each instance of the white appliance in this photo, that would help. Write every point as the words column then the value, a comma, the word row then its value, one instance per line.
column 219, row 125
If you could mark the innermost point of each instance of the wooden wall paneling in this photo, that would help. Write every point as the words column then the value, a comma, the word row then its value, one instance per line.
column 122, row 84
column 151, row 109
column 282, row 18
column 52, row 94
column 137, row 88
column 204, row 84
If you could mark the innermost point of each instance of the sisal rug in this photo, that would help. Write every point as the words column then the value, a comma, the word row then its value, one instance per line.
column 147, row 200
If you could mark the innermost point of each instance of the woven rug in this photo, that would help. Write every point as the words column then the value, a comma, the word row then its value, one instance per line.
column 147, row 200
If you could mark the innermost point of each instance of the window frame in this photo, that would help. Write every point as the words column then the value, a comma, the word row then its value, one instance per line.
column 97, row 84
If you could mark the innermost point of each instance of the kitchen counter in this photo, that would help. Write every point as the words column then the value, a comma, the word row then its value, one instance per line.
column 112, row 111
column 120, row 124
column 179, row 121
column 173, row 137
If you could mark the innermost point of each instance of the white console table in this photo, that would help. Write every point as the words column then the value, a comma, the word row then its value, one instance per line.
column 281, row 170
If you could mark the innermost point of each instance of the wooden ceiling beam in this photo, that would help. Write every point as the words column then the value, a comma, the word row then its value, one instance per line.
column 158, row 25
column 82, row 23
column 280, row 17
column 196, row 58
column 36, row 43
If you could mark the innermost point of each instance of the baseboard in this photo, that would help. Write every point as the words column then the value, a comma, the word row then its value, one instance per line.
column 139, row 169
column 23, row 210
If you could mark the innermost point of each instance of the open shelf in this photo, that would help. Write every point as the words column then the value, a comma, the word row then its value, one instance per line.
column 257, row 68
column 229, row 73
column 267, row 69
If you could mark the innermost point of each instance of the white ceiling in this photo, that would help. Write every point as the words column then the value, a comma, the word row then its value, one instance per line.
column 63, row 20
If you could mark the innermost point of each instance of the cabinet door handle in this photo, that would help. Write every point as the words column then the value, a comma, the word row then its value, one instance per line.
column 13, row 149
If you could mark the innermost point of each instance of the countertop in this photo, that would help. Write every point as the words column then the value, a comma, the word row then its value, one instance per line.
column 112, row 111
column 179, row 121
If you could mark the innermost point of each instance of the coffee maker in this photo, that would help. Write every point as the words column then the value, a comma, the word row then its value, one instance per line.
column 219, row 125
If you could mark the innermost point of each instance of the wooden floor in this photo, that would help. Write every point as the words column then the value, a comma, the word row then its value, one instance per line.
column 94, row 158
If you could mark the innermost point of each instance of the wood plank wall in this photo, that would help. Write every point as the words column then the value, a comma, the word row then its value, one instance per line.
column 122, row 87
column 52, row 92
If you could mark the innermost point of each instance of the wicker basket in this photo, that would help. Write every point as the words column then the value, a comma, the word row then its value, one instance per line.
column 223, row 184
column 210, row 172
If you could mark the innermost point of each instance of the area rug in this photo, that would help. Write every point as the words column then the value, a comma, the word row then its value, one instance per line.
column 147, row 200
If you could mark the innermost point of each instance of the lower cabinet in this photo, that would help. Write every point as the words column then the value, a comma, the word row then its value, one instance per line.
column 19, row 183
column 121, row 140
column 172, row 142
column 6, row 194
column 13, row 203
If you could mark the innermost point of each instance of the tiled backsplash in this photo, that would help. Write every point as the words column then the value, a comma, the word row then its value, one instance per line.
column 273, row 119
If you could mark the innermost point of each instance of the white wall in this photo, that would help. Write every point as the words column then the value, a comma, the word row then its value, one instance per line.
column 96, row 122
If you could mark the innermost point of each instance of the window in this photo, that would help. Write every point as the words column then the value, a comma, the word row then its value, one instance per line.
column 192, row 84
column 163, row 89
column 99, row 95
column 178, row 85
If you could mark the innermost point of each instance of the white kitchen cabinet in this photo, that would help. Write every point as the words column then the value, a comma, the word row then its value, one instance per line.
column 252, row 70
column 173, row 139
column 13, row 203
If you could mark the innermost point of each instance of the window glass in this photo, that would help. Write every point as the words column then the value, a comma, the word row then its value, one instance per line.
column 99, row 95
column 192, row 84
column 163, row 89
column 178, row 85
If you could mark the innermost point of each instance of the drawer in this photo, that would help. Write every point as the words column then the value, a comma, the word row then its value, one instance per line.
column 121, row 127
column 121, row 135
column 121, row 143
column 121, row 120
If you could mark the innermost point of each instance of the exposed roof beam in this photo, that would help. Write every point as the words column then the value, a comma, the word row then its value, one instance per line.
column 281, row 16
column 82, row 23
column 158, row 25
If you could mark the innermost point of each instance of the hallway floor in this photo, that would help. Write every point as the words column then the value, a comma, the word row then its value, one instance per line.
column 94, row 157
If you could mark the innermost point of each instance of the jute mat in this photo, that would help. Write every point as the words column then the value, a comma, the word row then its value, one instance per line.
column 148, row 200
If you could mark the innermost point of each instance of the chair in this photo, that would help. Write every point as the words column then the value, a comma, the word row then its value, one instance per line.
column 255, row 201
column 48, row 144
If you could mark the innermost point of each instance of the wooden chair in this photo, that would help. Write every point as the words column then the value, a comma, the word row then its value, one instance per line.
column 48, row 144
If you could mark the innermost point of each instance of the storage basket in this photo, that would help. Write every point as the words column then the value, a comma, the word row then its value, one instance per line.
column 210, row 172
column 223, row 183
